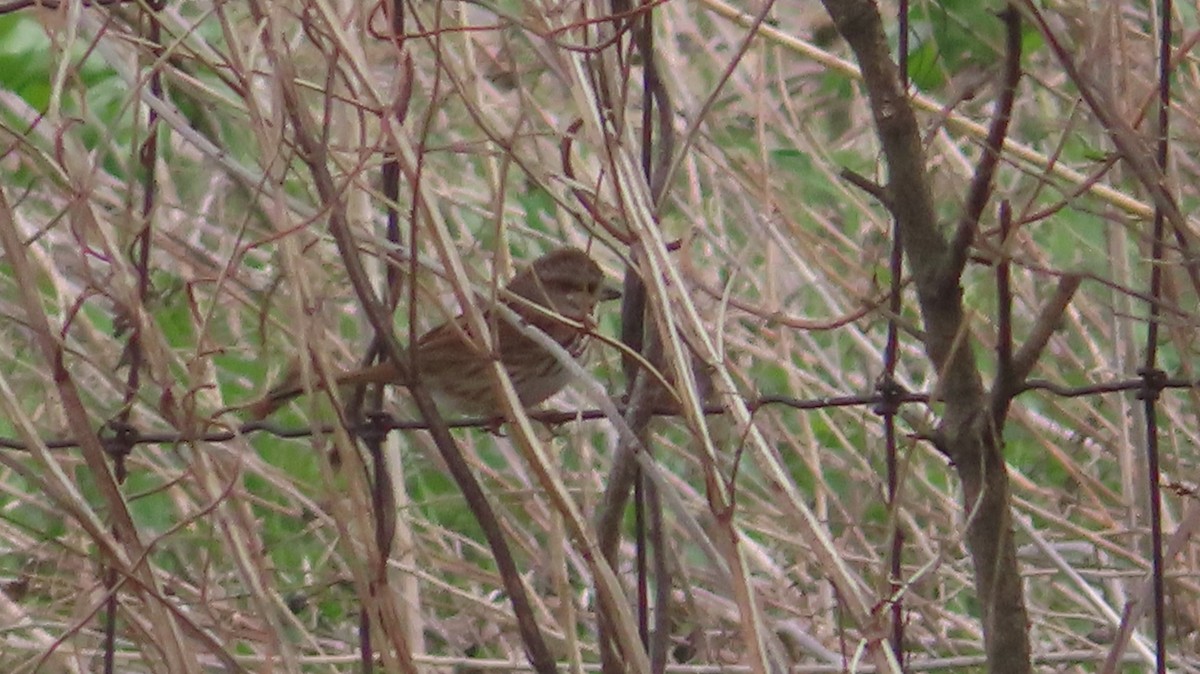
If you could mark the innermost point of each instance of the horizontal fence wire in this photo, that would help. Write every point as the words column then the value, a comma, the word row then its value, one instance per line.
column 120, row 434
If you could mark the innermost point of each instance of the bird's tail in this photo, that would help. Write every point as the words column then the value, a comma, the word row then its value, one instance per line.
column 292, row 387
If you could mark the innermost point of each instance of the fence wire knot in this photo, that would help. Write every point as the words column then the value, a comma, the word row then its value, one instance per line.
column 1154, row 381
column 118, row 438
column 891, row 394
column 375, row 428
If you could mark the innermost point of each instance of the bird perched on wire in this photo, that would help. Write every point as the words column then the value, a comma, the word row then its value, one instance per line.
column 556, row 294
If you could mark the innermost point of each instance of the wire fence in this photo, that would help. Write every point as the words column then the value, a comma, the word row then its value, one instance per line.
column 120, row 436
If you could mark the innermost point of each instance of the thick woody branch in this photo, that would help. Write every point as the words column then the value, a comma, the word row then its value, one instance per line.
column 966, row 432
column 981, row 185
column 926, row 250
column 1011, row 376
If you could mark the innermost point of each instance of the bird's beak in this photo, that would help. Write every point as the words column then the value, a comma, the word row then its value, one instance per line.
column 608, row 291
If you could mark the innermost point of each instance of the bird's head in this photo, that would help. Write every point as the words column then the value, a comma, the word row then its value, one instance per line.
column 566, row 281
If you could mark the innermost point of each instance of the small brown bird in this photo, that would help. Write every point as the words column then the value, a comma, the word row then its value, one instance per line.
column 562, row 284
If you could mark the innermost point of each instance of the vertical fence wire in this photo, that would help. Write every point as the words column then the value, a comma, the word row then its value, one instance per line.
column 1152, row 376
column 890, row 390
